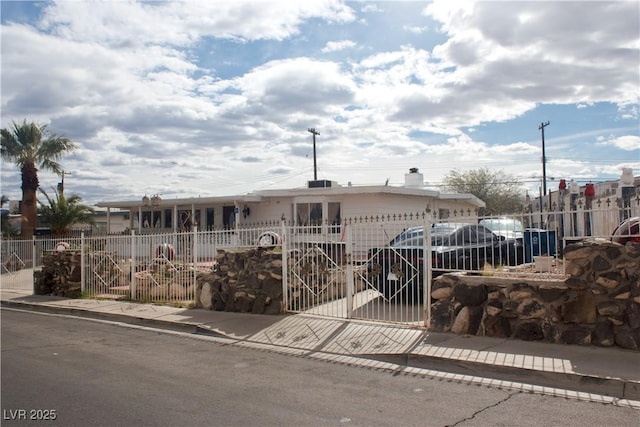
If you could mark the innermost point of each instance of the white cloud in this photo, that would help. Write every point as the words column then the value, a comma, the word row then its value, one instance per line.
column 415, row 29
column 560, row 53
column 627, row 143
column 338, row 46
column 159, row 103
column 180, row 23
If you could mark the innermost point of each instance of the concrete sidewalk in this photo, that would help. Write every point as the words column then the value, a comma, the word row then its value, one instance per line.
column 610, row 375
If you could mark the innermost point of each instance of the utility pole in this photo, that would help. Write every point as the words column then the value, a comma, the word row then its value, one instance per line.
column 315, row 168
column 61, row 184
column 544, row 163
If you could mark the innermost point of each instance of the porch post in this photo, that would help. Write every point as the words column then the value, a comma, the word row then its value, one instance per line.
column 175, row 218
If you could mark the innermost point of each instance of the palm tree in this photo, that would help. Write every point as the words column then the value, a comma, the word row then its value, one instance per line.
column 29, row 146
column 63, row 212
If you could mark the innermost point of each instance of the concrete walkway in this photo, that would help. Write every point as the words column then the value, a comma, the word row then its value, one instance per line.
column 608, row 375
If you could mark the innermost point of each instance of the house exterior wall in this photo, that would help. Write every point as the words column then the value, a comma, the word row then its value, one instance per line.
column 268, row 210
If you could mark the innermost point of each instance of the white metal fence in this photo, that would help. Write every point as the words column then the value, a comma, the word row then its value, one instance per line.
column 17, row 260
column 368, row 268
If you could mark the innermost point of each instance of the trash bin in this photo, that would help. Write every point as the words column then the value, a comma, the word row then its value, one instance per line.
column 538, row 242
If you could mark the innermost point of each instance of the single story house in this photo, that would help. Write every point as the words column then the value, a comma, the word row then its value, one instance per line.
column 322, row 203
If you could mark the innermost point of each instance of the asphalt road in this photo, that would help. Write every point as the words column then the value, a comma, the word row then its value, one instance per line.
column 88, row 373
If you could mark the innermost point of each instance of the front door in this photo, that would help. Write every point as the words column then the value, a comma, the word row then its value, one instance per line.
column 228, row 217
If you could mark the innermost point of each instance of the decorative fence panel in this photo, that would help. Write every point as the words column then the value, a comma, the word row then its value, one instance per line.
column 17, row 258
column 148, row 268
column 338, row 275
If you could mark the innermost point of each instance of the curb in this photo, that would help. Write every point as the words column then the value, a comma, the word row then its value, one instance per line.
column 191, row 328
column 612, row 387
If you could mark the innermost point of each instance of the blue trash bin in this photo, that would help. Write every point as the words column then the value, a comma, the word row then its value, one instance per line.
column 538, row 242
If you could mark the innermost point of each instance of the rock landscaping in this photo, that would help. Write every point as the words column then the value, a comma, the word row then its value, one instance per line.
column 597, row 303
column 248, row 281
column 60, row 274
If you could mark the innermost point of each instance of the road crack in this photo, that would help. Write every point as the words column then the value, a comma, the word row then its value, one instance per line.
column 498, row 403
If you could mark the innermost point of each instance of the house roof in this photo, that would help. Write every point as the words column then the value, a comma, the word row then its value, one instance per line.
column 126, row 204
column 259, row 196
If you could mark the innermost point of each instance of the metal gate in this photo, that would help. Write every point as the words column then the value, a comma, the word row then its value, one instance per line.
column 352, row 274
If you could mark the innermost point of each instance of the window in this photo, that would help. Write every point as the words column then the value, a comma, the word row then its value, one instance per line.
column 146, row 219
column 210, row 217
column 167, row 218
column 185, row 221
column 157, row 219
column 318, row 214
column 197, row 221
column 309, row 214
column 334, row 217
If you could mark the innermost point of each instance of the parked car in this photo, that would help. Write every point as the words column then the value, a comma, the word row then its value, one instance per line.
column 397, row 270
column 627, row 231
column 513, row 232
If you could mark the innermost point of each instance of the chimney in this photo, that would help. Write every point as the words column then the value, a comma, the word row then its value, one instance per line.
column 413, row 179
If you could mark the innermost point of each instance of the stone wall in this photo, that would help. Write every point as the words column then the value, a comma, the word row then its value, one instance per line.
column 251, row 281
column 248, row 281
column 599, row 302
column 60, row 275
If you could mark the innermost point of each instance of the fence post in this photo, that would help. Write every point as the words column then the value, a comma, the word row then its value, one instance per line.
column 428, row 269
column 33, row 253
column 83, row 286
column 285, row 267
column 349, row 261
column 195, row 262
column 133, row 265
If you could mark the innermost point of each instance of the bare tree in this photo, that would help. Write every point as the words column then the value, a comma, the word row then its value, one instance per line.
column 502, row 193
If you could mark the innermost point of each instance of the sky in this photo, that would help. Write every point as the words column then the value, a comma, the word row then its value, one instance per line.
column 215, row 98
